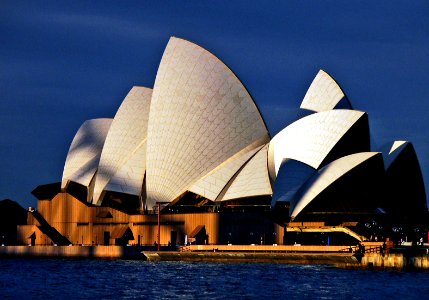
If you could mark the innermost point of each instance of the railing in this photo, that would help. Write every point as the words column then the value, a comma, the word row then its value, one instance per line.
column 350, row 249
column 269, row 248
column 376, row 248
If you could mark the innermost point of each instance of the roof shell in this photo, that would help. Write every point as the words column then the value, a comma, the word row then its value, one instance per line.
column 396, row 145
column 252, row 180
column 127, row 133
column 327, row 176
column 211, row 185
column 292, row 175
column 404, row 180
column 129, row 178
column 84, row 153
column 200, row 116
column 323, row 94
column 311, row 139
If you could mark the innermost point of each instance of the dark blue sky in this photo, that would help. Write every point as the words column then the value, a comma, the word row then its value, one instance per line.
column 62, row 63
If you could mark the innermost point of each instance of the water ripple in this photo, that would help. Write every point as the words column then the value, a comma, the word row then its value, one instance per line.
column 122, row 279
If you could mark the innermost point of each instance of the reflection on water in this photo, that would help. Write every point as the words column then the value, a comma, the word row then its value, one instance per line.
column 122, row 279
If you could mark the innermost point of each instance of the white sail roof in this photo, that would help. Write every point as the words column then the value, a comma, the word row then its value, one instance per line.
column 252, row 180
column 129, row 178
column 84, row 153
column 127, row 133
column 211, row 185
column 327, row 176
column 200, row 116
column 311, row 138
column 323, row 94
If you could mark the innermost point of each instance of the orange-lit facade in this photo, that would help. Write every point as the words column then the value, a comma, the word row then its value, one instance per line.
column 80, row 223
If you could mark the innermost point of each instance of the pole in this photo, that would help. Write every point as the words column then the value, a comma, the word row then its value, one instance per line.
column 159, row 225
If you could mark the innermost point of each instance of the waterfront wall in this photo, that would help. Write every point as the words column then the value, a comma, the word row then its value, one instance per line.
column 246, row 257
column 395, row 261
column 72, row 251
column 398, row 261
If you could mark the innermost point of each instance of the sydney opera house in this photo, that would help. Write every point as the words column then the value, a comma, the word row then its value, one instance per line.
column 195, row 152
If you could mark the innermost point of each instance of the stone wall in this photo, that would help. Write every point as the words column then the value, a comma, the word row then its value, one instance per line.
column 396, row 261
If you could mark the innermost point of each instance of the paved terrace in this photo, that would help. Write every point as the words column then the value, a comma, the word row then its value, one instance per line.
column 369, row 247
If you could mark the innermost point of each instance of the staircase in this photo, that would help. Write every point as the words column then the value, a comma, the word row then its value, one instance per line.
column 328, row 229
column 56, row 237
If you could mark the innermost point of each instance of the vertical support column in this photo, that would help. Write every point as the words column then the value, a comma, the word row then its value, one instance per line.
column 159, row 226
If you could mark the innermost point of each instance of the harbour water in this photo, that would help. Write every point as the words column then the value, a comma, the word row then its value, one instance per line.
column 130, row 279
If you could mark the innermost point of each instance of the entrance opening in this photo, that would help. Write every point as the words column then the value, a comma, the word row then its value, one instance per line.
column 106, row 238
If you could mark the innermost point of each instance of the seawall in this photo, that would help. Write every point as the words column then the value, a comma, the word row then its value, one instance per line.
column 126, row 252
column 398, row 261
column 134, row 252
column 246, row 257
